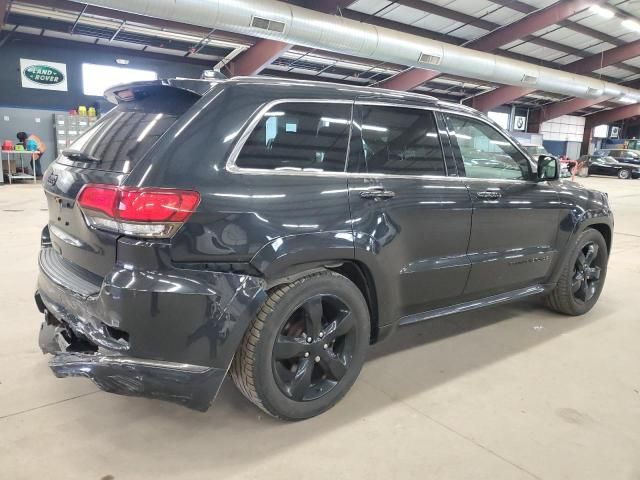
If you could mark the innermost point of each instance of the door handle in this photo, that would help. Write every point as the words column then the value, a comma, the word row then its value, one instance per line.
column 489, row 195
column 377, row 192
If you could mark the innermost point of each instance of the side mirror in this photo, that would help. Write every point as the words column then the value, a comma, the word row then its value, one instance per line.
column 548, row 168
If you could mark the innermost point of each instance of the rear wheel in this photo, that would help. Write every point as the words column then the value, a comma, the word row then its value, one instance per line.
column 624, row 174
column 583, row 276
column 305, row 348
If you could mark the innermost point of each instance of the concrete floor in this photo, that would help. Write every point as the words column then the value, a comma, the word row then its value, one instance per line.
column 506, row 393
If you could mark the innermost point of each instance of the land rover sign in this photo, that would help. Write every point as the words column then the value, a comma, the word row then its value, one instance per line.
column 43, row 75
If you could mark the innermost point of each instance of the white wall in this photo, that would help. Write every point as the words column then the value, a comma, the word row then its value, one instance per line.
column 563, row 129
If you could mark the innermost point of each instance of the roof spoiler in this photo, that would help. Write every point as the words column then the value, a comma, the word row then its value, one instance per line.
column 136, row 90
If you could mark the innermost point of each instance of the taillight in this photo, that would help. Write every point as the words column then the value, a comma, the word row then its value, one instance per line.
column 138, row 212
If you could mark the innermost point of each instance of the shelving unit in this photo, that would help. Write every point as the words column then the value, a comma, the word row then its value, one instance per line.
column 68, row 128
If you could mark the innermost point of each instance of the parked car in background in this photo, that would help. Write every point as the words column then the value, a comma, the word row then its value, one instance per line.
column 620, row 154
column 610, row 166
column 275, row 228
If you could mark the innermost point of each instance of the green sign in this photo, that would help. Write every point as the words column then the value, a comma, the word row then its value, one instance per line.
column 44, row 74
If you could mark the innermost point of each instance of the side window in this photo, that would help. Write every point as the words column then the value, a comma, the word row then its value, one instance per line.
column 396, row 140
column 485, row 152
column 299, row 137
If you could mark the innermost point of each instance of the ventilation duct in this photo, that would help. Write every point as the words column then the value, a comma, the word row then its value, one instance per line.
column 292, row 24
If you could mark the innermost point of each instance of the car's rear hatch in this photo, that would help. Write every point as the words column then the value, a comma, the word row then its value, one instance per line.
column 106, row 154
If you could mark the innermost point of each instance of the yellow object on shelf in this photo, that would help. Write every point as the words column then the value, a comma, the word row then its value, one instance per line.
column 82, row 110
column 92, row 112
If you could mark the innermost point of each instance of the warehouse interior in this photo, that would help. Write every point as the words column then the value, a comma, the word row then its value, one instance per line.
column 510, row 391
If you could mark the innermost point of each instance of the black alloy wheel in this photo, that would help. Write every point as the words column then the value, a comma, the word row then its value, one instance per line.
column 586, row 274
column 306, row 346
column 313, row 350
column 582, row 276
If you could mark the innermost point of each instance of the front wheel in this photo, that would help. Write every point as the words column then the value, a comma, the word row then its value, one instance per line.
column 583, row 276
column 305, row 348
column 624, row 174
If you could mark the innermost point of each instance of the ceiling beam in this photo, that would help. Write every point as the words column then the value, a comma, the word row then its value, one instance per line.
column 516, row 5
column 555, row 110
column 605, row 58
column 499, row 96
column 503, row 95
column 500, row 35
column 531, row 23
column 327, row 6
column 262, row 53
column 257, row 57
column 613, row 115
column 445, row 12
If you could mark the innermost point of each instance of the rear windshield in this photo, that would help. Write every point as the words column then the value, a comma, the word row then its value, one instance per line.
column 124, row 135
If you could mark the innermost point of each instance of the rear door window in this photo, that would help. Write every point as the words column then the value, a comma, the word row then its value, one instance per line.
column 125, row 134
column 397, row 141
column 299, row 136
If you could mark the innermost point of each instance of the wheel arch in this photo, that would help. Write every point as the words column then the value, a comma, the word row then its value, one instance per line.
column 605, row 231
column 353, row 270
column 599, row 222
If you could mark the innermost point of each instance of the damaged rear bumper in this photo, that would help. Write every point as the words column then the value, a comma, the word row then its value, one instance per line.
column 192, row 386
column 155, row 331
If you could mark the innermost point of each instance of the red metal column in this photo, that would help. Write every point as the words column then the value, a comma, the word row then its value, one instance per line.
column 261, row 54
column 409, row 79
column 257, row 57
column 499, row 96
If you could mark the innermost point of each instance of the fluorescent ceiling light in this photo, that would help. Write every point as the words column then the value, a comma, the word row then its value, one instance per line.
column 603, row 12
column 631, row 25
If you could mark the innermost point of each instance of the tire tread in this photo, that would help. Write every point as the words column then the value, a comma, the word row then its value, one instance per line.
column 559, row 299
column 244, row 361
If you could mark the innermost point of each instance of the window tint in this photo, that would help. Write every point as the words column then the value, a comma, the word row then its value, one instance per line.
column 124, row 135
column 396, row 140
column 487, row 153
column 299, row 137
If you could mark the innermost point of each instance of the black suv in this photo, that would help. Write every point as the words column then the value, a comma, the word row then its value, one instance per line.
column 275, row 228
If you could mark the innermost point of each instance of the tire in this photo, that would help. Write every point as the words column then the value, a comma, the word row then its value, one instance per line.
column 262, row 376
column 624, row 174
column 564, row 298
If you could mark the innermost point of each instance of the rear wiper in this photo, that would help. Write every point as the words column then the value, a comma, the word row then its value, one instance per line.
column 78, row 156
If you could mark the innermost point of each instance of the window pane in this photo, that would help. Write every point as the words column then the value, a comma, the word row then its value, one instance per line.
column 399, row 141
column 486, row 153
column 124, row 135
column 299, row 137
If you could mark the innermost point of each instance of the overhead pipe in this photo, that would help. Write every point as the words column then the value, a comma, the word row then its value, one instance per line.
column 288, row 23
